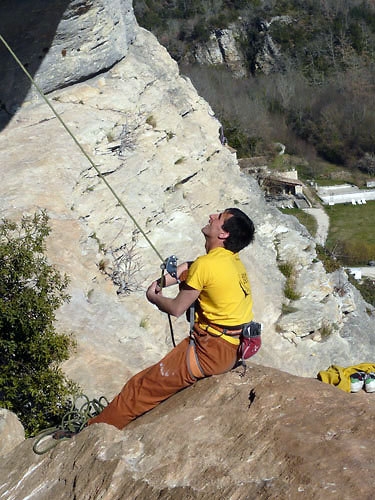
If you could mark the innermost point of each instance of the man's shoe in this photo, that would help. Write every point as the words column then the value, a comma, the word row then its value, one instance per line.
column 370, row 382
column 64, row 434
column 357, row 381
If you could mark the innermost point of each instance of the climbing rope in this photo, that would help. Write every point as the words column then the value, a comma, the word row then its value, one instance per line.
column 118, row 199
column 72, row 423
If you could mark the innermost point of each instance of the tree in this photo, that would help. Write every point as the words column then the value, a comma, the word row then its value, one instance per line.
column 31, row 383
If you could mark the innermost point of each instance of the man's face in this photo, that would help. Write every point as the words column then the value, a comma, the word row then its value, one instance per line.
column 214, row 228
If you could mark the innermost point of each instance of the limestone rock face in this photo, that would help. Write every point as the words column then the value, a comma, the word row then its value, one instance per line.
column 60, row 42
column 222, row 49
column 156, row 143
column 225, row 48
column 269, row 56
column 266, row 435
column 11, row 431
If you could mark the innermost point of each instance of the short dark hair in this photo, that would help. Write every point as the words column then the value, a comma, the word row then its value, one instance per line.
column 240, row 228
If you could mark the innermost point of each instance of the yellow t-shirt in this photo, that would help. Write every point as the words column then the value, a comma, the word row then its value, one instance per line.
column 225, row 297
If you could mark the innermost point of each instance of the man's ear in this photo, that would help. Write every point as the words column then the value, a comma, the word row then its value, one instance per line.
column 223, row 235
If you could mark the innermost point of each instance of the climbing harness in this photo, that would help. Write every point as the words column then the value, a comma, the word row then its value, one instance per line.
column 72, row 423
column 192, row 360
column 247, row 337
column 230, row 334
column 194, row 367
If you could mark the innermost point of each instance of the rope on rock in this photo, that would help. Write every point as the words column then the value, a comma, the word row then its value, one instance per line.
column 72, row 422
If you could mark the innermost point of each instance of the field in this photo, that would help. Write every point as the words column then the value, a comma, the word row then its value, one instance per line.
column 351, row 236
column 351, row 223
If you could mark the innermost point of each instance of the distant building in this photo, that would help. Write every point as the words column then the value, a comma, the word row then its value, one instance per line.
column 345, row 193
column 356, row 272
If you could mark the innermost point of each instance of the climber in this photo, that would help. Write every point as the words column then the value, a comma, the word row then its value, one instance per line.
column 218, row 284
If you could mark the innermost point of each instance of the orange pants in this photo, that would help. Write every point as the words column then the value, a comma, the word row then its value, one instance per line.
column 153, row 385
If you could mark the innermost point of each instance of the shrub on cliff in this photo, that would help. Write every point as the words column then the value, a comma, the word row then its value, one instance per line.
column 31, row 383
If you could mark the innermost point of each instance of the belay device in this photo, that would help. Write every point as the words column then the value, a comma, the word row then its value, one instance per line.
column 169, row 266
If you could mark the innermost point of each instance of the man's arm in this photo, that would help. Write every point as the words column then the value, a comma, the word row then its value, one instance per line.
column 170, row 280
column 174, row 306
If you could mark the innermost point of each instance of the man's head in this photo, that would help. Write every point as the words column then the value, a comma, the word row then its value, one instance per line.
column 231, row 229
column 240, row 228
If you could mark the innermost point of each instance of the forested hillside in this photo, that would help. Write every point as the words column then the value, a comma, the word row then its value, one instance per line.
column 319, row 98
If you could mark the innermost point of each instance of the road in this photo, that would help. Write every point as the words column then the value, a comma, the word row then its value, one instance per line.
column 323, row 224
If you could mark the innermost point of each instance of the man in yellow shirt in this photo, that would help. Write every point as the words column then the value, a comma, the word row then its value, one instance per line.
column 218, row 285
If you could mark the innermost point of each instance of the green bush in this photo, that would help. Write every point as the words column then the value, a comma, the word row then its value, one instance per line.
column 31, row 290
column 330, row 264
column 244, row 143
column 288, row 270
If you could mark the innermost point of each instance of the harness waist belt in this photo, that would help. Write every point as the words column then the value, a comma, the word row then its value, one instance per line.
column 229, row 328
column 233, row 337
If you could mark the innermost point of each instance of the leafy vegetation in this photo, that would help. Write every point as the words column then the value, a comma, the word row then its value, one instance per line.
column 366, row 288
column 31, row 383
column 287, row 269
column 330, row 263
column 317, row 99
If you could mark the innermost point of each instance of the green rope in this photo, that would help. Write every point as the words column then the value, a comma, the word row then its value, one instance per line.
column 76, row 419
column 80, row 147
column 73, row 421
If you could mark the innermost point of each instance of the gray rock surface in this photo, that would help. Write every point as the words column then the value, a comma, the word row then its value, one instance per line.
column 222, row 49
column 60, row 42
column 268, row 435
column 157, row 143
column 225, row 47
column 11, row 431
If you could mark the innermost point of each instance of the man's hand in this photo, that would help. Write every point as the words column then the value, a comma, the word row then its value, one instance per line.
column 175, row 306
column 153, row 290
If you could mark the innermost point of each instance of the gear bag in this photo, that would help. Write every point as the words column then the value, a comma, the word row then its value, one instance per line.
column 250, row 340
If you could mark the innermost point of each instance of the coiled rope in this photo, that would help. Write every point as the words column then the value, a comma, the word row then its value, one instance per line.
column 72, row 423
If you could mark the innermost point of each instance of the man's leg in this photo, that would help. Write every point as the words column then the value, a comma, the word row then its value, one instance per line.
column 153, row 385
column 215, row 354
column 148, row 388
